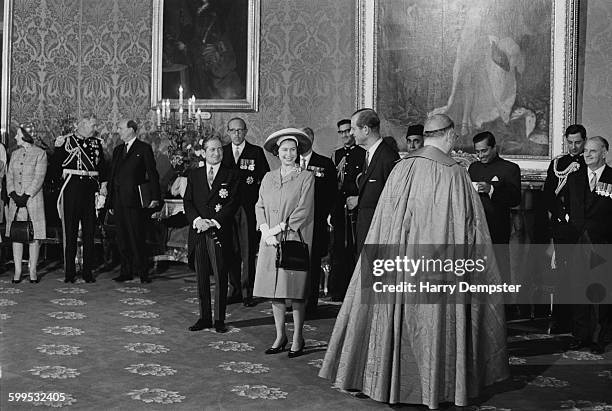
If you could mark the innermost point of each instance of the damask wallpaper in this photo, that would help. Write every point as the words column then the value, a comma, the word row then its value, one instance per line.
column 84, row 56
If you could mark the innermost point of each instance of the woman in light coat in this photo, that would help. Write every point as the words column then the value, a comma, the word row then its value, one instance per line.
column 24, row 182
column 286, row 202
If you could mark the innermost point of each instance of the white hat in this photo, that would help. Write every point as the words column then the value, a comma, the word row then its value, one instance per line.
column 276, row 138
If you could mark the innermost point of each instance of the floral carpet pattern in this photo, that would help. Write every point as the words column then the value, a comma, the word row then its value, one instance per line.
column 126, row 346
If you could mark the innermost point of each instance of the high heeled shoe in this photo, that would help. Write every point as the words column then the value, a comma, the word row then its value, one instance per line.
column 293, row 354
column 35, row 281
column 16, row 281
column 280, row 348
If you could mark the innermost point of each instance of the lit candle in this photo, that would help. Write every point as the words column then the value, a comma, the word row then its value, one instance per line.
column 180, row 111
column 198, row 117
column 192, row 106
column 180, row 96
column 158, row 116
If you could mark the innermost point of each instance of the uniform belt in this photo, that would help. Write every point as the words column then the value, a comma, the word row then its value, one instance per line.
column 80, row 173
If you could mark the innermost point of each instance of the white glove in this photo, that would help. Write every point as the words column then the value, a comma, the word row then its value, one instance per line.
column 271, row 240
column 275, row 230
column 283, row 226
column 265, row 231
column 60, row 140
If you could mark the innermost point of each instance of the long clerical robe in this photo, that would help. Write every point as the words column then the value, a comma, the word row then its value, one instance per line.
column 421, row 353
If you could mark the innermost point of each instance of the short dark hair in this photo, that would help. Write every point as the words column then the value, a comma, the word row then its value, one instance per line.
column 27, row 137
column 576, row 129
column 132, row 124
column 367, row 117
column 343, row 121
column 602, row 140
column 485, row 135
column 237, row 118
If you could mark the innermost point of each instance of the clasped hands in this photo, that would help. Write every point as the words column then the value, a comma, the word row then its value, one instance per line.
column 20, row 200
column 269, row 234
column 203, row 224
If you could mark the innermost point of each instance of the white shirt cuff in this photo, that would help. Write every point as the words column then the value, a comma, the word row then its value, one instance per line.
column 216, row 223
column 491, row 191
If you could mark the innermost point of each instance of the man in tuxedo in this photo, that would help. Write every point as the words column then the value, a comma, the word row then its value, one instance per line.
column 326, row 190
column 380, row 159
column 251, row 163
column 133, row 165
column 590, row 221
column 556, row 203
column 349, row 161
column 498, row 183
column 211, row 200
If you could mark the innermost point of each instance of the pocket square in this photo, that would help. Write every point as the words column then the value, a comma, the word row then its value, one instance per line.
column 371, row 181
column 495, row 178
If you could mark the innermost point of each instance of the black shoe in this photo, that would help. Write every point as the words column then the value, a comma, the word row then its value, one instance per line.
column 200, row 325
column 598, row 348
column 249, row 302
column 16, row 281
column 337, row 299
column 35, row 281
column 70, row 279
column 90, row 280
column 220, row 327
column 280, row 348
column 293, row 354
column 234, row 299
column 121, row 279
column 578, row 345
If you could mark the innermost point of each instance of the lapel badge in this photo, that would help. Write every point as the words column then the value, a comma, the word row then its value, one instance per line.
column 223, row 193
column 217, row 208
column 249, row 180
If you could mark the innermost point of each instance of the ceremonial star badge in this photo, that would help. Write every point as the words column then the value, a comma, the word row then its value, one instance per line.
column 217, row 208
column 249, row 180
column 223, row 193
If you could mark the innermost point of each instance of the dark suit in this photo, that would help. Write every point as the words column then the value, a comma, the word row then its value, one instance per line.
column 212, row 249
column 590, row 218
column 251, row 166
column 127, row 172
column 349, row 162
column 324, row 197
column 371, row 183
column 505, row 177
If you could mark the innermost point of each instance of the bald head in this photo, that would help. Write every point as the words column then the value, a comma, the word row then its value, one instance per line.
column 439, row 131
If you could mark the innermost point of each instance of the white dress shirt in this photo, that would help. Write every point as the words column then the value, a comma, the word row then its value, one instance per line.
column 215, row 168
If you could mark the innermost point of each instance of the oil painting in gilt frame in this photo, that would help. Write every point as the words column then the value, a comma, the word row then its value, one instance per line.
column 210, row 48
column 496, row 65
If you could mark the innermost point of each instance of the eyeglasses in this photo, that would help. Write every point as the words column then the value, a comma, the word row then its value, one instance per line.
column 344, row 131
column 236, row 130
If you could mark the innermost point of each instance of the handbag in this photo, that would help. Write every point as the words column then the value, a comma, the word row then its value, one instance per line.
column 22, row 231
column 292, row 254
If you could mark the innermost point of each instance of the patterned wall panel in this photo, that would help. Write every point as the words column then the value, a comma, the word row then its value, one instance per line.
column 97, row 56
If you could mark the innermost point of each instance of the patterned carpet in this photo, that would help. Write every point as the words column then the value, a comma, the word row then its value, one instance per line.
column 126, row 346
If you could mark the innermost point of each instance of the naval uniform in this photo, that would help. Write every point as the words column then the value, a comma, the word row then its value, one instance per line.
column 83, row 170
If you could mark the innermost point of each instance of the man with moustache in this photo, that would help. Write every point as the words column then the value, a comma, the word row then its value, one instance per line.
column 590, row 222
column 349, row 161
column 498, row 183
column 251, row 163
column 414, row 137
column 556, row 202
column 133, row 165
column 325, row 193
column 81, row 157
column 211, row 200
column 379, row 161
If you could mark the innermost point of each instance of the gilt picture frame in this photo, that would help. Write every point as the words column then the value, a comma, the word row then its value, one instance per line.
column 210, row 49
column 5, row 99
column 505, row 67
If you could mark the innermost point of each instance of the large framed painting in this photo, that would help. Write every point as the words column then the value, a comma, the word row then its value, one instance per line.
column 508, row 67
column 6, row 7
column 210, row 48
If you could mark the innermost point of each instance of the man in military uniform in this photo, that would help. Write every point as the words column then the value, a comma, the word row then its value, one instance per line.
column 84, row 172
column 349, row 161
column 556, row 200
